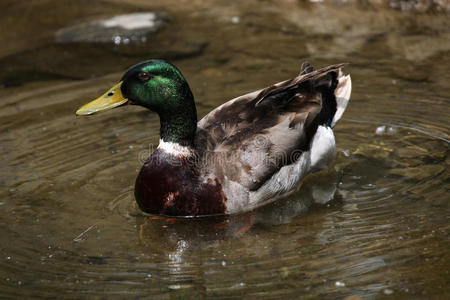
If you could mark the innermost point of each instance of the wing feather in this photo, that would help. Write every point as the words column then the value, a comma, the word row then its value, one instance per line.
column 251, row 137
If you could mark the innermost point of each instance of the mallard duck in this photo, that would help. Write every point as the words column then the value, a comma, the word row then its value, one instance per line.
column 246, row 153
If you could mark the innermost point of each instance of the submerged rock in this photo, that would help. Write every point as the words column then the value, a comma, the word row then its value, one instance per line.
column 121, row 29
column 373, row 151
column 418, row 173
column 412, row 151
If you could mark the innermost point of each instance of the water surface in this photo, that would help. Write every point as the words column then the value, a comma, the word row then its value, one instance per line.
column 374, row 225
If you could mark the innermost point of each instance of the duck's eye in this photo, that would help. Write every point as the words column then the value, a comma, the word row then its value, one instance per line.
column 144, row 76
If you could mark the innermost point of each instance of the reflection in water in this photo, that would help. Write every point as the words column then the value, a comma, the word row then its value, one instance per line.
column 180, row 240
column 374, row 225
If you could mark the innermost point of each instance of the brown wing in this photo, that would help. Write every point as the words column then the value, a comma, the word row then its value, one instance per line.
column 251, row 137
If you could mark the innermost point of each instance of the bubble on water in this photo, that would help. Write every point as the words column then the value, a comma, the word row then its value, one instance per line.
column 388, row 291
column 117, row 40
column 339, row 284
column 392, row 130
column 380, row 130
column 235, row 20
column 175, row 286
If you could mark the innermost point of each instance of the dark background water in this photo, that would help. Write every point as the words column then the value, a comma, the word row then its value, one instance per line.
column 375, row 225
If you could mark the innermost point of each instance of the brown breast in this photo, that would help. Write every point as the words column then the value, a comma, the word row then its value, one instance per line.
column 170, row 185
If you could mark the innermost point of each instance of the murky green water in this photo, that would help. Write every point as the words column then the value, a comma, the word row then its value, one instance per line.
column 69, row 225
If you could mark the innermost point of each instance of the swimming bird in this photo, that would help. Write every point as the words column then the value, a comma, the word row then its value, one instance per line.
column 245, row 153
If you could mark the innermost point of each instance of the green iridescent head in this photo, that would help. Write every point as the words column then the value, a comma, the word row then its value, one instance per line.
column 157, row 85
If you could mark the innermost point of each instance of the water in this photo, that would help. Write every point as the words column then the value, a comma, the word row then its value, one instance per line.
column 375, row 225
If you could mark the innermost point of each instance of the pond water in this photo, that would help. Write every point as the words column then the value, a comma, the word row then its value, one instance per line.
column 374, row 225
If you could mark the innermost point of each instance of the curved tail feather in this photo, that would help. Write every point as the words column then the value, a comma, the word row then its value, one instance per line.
column 342, row 94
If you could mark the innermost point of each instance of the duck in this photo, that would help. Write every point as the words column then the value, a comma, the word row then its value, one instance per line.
column 244, row 154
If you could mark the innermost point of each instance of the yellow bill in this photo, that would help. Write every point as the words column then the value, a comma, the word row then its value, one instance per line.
column 112, row 98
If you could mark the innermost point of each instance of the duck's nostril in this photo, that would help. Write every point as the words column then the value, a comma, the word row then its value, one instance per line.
column 110, row 94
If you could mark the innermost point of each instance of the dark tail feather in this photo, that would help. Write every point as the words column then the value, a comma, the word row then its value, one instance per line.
column 310, row 75
column 323, row 81
column 326, row 86
column 335, row 89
